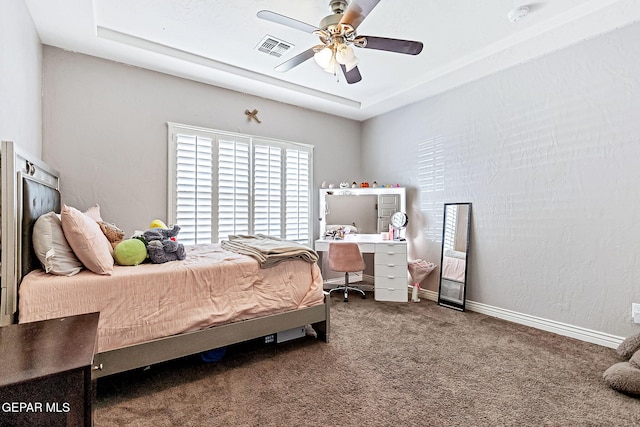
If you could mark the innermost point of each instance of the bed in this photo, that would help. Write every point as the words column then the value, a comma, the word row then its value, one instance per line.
column 149, row 313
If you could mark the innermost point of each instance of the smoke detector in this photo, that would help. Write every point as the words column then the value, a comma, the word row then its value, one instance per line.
column 518, row 13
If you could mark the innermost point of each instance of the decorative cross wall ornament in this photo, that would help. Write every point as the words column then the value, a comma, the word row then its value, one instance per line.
column 252, row 115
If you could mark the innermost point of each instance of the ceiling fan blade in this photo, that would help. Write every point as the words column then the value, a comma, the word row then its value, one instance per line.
column 352, row 76
column 357, row 11
column 285, row 20
column 296, row 60
column 408, row 47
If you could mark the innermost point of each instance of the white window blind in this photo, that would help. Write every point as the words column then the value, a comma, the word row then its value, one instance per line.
column 223, row 183
column 268, row 190
column 194, row 187
column 298, row 201
column 233, row 188
column 450, row 227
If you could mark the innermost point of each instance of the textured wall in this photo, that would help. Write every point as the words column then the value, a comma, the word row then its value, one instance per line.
column 105, row 130
column 20, row 78
column 547, row 152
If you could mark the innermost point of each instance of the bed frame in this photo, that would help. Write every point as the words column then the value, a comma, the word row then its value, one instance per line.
column 29, row 189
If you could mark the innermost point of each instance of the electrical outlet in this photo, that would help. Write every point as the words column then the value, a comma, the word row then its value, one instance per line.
column 635, row 312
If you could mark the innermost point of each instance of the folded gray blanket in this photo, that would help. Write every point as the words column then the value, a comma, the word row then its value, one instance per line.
column 269, row 250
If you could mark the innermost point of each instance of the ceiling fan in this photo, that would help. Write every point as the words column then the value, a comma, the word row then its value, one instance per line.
column 337, row 33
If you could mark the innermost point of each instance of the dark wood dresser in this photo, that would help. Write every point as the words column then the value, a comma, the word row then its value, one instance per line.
column 45, row 372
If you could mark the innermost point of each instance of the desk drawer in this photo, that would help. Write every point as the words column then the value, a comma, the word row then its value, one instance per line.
column 367, row 248
column 382, row 293
column 391, row 258
column 322, row 246
column 391, row 270
column 391, row 247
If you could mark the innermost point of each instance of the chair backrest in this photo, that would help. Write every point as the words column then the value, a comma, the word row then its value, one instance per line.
column 345, row 257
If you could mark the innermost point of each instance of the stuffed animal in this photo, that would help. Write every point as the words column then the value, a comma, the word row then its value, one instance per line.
column 157, row 223
column 113, row 233
column 625, row 376
column 130, row 252
column 162, row 245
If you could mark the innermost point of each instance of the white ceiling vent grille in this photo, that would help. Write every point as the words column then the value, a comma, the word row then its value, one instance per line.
column 273, row 46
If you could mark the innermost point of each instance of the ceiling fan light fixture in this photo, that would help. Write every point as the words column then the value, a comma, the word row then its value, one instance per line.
column 351, row 64
column 346, row 56
column 337, row 34
column 333, row 66
column 324, row 57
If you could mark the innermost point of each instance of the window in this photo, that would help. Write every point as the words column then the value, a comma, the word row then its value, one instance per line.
column 450, row 227
column 222, row 183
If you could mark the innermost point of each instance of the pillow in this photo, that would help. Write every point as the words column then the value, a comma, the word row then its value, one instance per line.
column 52, row 248
column 87, row 241
column 623, row 377
column 94, row 213
column 629, row 346
column 347, row 228
column 130, row 252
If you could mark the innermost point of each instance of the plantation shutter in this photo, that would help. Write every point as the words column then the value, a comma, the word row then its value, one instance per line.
column 193, row 187
column 233, row 187
column 298, row 201
column 450, row 228
column 223, row 184
column 268, row 190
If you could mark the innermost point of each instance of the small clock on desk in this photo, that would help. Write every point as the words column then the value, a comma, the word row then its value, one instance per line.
column 399, row 222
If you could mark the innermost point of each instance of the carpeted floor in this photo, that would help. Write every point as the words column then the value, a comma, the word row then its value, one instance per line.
column 387, row 364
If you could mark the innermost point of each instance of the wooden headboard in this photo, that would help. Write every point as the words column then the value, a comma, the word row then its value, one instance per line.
column 29, row 188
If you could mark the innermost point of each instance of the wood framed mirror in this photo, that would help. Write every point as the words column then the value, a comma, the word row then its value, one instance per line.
column 456, row 229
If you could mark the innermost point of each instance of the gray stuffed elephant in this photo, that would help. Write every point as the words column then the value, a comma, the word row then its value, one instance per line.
column 161, row 247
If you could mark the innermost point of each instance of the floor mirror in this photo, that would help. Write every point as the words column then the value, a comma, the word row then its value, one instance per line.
column 455, row 255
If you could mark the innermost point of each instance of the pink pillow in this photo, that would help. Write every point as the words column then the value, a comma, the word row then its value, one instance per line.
column 94, row 213
column 86, row 239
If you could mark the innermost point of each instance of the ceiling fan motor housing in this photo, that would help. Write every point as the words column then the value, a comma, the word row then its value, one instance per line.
column 338, row 6
column 337, row 34
column 330, row 21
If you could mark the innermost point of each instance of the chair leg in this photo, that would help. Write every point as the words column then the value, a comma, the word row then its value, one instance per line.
column 346, row 288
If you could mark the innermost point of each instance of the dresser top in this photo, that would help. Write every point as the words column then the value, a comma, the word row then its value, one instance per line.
column 37, row 349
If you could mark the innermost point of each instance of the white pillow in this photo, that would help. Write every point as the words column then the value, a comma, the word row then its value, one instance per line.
column 52, row 248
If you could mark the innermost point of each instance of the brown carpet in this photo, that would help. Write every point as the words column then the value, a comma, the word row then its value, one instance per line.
column 388, row 364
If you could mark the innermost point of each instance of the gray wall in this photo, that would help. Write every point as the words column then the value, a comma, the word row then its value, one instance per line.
column 20, row 78
column 105, row 131
column 547, row 152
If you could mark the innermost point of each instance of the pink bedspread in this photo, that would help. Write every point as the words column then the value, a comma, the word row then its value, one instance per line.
column 453, row 268
column 211, row 287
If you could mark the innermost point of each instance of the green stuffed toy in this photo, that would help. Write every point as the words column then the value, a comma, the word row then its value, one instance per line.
column 130, row 252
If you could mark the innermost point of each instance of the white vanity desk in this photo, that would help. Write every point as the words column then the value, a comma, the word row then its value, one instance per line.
column 390, row 264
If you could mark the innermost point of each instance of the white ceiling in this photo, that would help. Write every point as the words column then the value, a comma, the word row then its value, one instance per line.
column 214, row 41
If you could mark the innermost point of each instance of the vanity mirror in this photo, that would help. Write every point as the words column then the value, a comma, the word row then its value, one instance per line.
column 455, row 254
column 364, row 210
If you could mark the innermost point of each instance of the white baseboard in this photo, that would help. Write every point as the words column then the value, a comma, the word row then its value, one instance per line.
column 559, row 328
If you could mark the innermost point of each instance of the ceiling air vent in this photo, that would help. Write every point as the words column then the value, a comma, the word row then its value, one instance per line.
column 272, row 46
